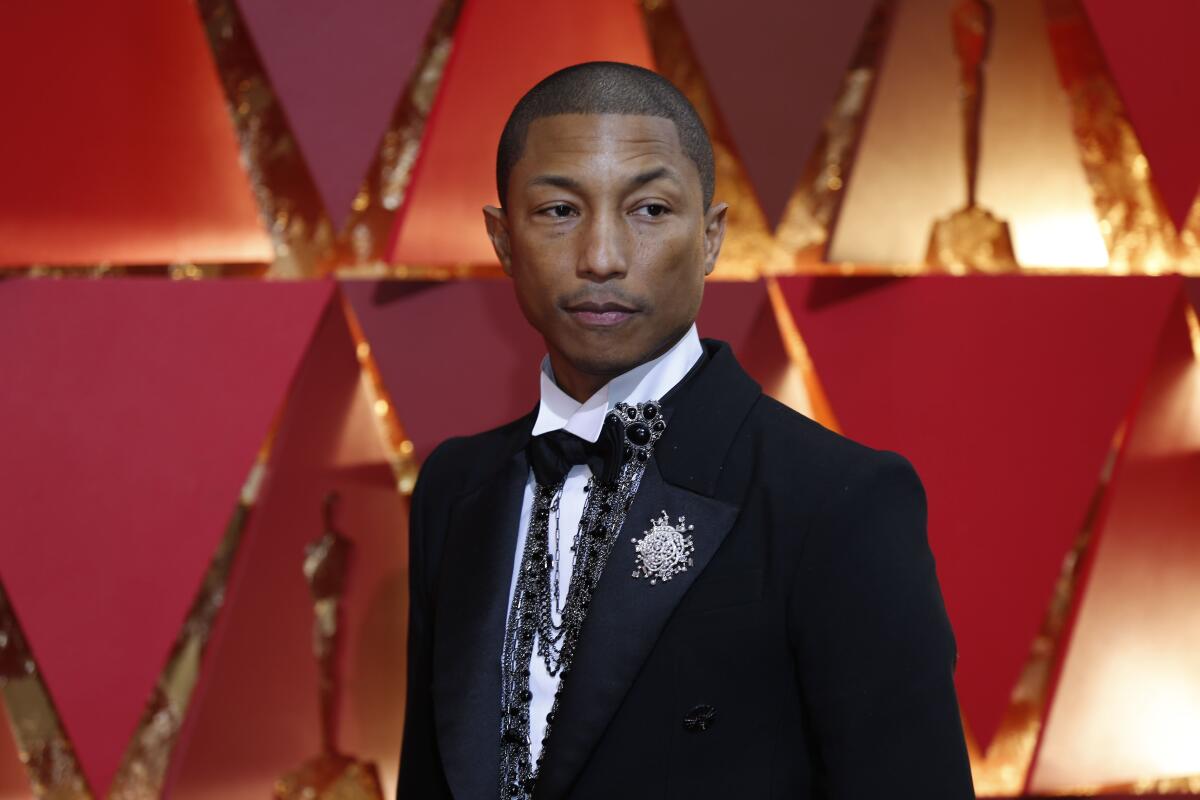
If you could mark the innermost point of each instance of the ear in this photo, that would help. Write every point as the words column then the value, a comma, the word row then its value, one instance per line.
column 497, row 230
column 714, row 235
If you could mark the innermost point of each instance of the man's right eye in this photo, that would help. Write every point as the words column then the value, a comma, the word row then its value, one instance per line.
column 558, row 211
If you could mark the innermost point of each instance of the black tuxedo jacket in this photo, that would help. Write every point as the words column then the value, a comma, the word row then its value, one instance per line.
column 806, row 654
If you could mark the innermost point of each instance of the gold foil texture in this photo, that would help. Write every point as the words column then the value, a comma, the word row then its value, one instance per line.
column 807, row 220
column 147, row 757
column 330, row 775
column 1137, row 230
column 1004, row 769
column 369, row 227
column 972, row 238
column 44, row 749
column 751, row 248
column 304, row 242
column 399, row 447
column 749, row 245
column 326, row 569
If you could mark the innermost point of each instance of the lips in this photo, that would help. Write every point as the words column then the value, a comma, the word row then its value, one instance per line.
column 601, row 315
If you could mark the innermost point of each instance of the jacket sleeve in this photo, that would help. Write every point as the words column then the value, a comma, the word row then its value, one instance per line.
column 421, row 774
column 875, row 651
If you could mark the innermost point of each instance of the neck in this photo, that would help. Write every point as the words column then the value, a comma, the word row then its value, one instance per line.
column 577, row 383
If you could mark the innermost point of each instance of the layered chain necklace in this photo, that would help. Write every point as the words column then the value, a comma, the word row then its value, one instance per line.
column 535, row 603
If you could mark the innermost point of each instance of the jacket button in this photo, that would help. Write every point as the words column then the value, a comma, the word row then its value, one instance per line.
column 700, row 718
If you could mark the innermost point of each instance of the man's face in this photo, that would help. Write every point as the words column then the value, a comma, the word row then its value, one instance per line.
column 606, row 238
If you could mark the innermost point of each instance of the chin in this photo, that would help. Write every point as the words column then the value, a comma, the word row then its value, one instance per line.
column 606, row 364
column 610, row 356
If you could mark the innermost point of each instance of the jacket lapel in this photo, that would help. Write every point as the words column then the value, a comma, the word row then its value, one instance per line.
column 472, row 604
column 627, row 615
column 684, row 478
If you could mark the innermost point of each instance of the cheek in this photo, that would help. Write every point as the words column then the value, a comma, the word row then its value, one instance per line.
column 674, row 262
column 537, row 276
column 543, row 255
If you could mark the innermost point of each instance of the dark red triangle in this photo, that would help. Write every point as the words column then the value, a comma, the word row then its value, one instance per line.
column 774, row 68
column 1005, row 393
column 339, row 70
column 1151, row 52
column 124, row 152
column 501, row 49
column 131, row 415
column 1126, row 709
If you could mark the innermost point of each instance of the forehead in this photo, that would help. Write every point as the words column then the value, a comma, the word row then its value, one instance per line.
column 566, row 140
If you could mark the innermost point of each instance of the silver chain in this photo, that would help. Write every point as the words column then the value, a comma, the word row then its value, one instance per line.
column 531, row 624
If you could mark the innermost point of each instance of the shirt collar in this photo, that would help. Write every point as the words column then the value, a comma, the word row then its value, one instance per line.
column 649, row 381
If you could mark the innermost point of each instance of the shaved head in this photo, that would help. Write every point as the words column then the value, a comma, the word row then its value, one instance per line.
column 606, row 87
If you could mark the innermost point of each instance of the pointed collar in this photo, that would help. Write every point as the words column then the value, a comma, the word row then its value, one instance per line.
column 648, row 381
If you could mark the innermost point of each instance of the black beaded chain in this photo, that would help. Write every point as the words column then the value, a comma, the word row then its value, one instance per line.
column 530, row 618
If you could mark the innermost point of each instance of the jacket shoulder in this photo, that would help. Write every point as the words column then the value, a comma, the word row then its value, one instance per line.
column 461, row 463
column 786, row 439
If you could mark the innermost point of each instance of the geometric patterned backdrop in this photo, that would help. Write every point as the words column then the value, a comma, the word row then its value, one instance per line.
column 298, row 298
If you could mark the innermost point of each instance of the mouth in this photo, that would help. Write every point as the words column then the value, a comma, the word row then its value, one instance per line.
column 600, row 315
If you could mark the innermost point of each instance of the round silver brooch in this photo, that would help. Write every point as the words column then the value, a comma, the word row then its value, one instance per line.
column 664, row 550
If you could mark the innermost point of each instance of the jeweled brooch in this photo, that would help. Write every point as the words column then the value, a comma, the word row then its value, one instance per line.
column 664, row 551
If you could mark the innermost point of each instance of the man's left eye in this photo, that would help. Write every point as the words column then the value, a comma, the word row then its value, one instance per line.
column 653, row 209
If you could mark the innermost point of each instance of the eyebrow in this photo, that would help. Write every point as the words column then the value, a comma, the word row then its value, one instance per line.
column 651, row 175
column 641, row 179
column 561, row 181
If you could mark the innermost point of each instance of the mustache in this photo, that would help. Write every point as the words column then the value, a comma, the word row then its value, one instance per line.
column 600, row 297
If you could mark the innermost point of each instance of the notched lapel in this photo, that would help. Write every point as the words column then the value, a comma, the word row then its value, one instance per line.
column 470, row 617
column 627, row 615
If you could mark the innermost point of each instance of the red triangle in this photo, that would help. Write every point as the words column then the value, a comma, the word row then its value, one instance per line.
column 132, row 413
column 501, row 49
column 774, row 68
column 338, row 70
column 1150, row 50
column 254, row 715
column 458, row 357
column 124, row 152
column 1004, row 393
column 1126, row 707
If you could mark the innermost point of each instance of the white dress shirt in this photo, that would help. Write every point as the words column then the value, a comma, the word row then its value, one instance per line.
column 645, row 382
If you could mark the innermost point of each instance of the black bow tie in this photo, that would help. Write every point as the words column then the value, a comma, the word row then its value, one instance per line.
column 552, row 454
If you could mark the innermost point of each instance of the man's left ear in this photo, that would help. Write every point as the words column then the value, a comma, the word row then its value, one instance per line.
column 714, row 234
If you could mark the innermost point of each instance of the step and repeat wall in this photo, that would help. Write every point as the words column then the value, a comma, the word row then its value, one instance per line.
column 245, row 290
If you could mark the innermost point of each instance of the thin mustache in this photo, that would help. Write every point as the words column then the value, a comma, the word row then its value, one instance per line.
column 600, row 298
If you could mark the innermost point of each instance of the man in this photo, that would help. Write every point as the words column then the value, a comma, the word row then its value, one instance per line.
column 660, row 583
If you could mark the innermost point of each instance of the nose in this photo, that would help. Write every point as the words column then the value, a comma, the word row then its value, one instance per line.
column 604, row 252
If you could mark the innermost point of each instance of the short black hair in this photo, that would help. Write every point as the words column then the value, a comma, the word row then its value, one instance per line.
column 606, row 87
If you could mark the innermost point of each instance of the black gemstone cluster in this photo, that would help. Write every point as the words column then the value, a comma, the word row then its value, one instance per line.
column 643, row 426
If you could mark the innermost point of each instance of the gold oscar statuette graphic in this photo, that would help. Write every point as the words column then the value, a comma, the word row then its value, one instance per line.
column 971, row 238
column 331, row 775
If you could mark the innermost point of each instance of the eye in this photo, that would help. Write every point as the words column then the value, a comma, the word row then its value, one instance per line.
column 652, row 210
column 558, row 211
